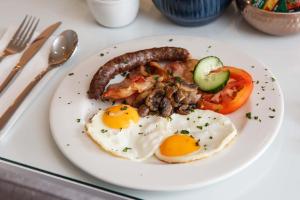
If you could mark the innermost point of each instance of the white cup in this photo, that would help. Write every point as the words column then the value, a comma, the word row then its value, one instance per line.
column 114, row 13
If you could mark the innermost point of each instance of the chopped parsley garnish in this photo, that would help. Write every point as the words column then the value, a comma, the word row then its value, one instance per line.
column 200, row 127
column 101, row 54
column 104, row 131
column 77, row 120
column 170, row 40
column 148, row 69
column 248, row 115
column 272, row 109
column 273, row 79
column 140, row 133
column 156, row 78
column 199, row 117
column 178, row 79
column 211, row 137
column 184, row 132
column 123, row 108
column 209, row 46
column 188, row 118
column 255, row 117
column 140, row 126
column 252, row 66
column 126, row 149
column 206, row 124
column 169, row 118
column 198, row 142
column 257, row 82
column 263, row 98
column 70, row 74
column 271, row 116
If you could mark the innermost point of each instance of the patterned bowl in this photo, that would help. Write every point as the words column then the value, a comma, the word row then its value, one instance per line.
column 191, row 12
column 273, row 23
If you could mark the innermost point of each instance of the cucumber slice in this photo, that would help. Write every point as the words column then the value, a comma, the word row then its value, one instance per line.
column 210, row 81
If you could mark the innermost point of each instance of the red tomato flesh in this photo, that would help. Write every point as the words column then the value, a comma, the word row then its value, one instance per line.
column 234, row 95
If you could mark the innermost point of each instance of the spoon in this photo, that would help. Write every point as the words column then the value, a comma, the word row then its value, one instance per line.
column 62, row 49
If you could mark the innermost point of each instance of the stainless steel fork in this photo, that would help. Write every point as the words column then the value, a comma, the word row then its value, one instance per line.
column 21, row 37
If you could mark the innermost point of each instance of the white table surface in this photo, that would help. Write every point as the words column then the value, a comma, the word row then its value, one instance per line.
column 275, row 175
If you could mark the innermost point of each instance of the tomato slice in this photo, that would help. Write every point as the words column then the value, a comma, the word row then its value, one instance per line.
column 232, row 96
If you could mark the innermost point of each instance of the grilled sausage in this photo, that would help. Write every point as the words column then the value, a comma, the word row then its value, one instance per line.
column 130, row 61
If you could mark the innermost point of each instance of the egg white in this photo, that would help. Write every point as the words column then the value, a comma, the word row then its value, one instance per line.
column 137, row 142
column 217, row 131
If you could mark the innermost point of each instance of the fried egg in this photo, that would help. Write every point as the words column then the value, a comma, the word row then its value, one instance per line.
column 197, row 135
column 120, row 131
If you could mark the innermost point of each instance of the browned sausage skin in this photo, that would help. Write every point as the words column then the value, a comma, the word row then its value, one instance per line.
column 130, row 61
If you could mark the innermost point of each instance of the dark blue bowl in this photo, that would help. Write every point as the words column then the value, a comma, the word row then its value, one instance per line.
column 192, row 12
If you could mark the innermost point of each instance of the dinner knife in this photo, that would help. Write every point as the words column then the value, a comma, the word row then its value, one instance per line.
column 33, row 48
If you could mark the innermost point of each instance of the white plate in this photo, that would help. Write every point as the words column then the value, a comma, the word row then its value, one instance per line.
column 70, row 103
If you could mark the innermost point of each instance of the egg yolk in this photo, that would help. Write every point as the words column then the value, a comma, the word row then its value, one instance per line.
column 120, row 116
column 179, row 145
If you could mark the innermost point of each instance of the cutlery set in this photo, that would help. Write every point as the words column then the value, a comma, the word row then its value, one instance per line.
column 61, row 50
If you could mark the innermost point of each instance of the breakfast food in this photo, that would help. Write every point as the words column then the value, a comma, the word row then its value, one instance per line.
column 181, row 138
column 120, row 131
column 171, row 109
column 152, row 89
column 208, row 81
column 197, row 135
column 130, row 61
column 233, row 95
